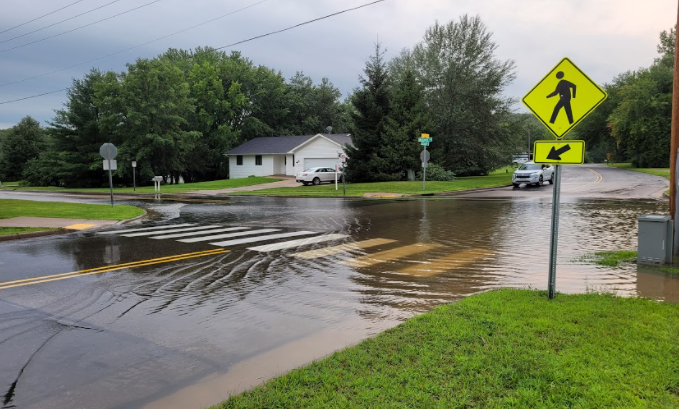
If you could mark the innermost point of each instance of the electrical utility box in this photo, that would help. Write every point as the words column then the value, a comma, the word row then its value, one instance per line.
column 655, row 239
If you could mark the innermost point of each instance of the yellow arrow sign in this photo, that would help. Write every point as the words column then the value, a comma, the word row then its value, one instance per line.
column 559, row 152
column 564, row 97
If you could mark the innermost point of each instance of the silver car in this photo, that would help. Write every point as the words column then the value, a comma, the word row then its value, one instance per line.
column 532, row 173
column 317, row 176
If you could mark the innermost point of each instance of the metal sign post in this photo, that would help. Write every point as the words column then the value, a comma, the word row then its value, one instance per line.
column 424, row 157
column 343, row 160
column 134, row 175
column 553, row 241
column 425, row 140
column 109, row 152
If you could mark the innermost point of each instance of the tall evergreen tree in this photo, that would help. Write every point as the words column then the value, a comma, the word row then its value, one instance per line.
column 371, row 104
column 406, row 120
column 73, row 157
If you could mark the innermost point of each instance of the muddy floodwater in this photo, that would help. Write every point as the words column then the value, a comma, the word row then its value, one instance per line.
column 188, row 333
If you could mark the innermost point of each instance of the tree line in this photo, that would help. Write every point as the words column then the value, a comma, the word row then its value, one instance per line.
column 634, row 123
column 178, row 113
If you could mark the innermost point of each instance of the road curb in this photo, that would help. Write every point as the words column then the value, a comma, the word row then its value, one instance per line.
column 33, row 234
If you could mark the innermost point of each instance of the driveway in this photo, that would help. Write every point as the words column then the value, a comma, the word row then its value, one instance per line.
column 288, row 181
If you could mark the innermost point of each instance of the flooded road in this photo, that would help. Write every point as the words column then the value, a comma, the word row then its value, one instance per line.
column 211, row 298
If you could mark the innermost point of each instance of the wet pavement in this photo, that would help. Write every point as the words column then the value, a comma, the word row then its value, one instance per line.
column 208, row 302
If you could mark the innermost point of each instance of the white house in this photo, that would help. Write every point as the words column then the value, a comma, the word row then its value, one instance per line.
column 286, row 155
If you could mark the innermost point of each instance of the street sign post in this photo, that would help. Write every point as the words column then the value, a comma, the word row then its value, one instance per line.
column 343, row 161
column 425, row 139
column 563, row 98
column 424, row 157
column 561, row 152
column 109, row 152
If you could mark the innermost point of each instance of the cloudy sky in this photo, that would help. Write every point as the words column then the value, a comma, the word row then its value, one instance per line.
column 603, row 37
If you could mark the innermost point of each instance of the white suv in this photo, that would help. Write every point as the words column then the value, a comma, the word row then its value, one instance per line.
column 532, row 173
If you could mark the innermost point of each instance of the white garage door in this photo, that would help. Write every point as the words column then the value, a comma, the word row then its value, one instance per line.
column 320, row 162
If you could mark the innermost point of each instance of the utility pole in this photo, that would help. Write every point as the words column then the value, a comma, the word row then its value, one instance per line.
column 674, row 145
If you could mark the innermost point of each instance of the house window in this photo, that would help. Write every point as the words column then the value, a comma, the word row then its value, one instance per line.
column 239, row 160
column 285, row 160
column 258, row 160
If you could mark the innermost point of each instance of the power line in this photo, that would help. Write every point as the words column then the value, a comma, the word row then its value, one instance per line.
column 299, row 25
column 44, row 15
column 78, row 28
column 236, row 43
column 59, row 22
column 136, row 46
column 33, row 96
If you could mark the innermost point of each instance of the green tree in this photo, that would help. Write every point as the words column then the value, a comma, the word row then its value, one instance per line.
column 145, row 111
column 407, row 118
column 21, row 144
column 464, row 82
column 73, row 156
column 216, row 104
column 371, row 108
column 641, row 120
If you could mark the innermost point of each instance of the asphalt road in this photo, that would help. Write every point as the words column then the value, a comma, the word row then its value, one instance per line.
column 207, row 299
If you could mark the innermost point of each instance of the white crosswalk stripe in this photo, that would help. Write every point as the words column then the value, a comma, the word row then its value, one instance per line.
column 225, row 236
column 262, row 238
column 197, row 233
column 298, row 243
column 185, row 229
column 169, row 226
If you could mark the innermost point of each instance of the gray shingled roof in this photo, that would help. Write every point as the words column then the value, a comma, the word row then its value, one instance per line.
column 281, row 144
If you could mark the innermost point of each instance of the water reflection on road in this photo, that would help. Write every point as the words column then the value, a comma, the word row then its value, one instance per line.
column 152, row 330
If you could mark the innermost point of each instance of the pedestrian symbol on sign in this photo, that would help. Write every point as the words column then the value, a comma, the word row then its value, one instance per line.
column 563, row 90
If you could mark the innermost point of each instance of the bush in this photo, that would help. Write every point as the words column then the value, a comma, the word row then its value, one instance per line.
column 438, row 173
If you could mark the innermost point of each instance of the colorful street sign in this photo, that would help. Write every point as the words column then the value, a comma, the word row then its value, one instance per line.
column 561, row 152
column 564, row 97
column 425, row 141
column 424, row 135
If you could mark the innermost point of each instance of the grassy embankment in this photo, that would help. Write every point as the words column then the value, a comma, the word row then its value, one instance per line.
column 180, row 188
column 28, row 208
column 663, row 172
column 500, row 349
column 497, row 178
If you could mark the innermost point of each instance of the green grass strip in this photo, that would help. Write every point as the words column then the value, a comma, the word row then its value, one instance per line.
column 611, row 258
column 414, row 187
column 183, row 187
column 6, row 231
column 663, row 172
column 28, row 208
column 501, row 349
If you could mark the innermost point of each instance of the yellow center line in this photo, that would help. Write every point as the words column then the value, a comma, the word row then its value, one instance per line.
column 73, row 274
column 387, row 255
column 447, row 263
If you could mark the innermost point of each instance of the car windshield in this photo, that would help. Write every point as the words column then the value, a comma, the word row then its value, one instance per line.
column 530, row 166
column 310, row 170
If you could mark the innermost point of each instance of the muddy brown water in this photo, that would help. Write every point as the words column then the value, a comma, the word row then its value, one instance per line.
column 188, row 334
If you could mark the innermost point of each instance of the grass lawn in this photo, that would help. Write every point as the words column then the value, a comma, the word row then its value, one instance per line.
column 5, row 231
column 183, row 187
column 664, row 172
column 500, row 349
column 16, row 208
column 414, row 187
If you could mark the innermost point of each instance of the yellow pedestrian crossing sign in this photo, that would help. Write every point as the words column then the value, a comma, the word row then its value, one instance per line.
column 561, row 152
column 564, row 97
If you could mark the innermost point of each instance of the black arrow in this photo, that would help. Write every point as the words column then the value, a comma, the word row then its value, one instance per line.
column 555, row 154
